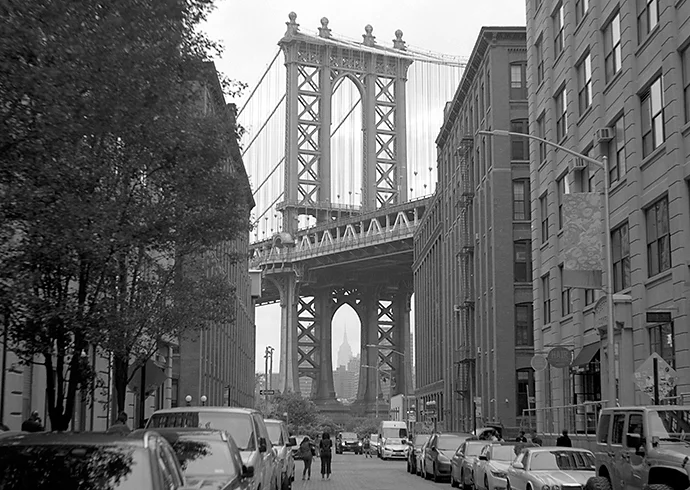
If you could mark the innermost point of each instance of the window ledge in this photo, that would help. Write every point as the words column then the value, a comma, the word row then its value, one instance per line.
column 567, row 318
column 563, row 140
column 582, row 22
column 544, row 245
column 541, row 84
column 560, row 232
column 679, row 3
column 685, row 129
column 560, row 55
column 613, row 80
column 658, row 278
column 585, row 114
column 519, row 162
column 653, row 156
column 648, row 40
column 620, row 183
column 543, row 164
column 522, row 221
column 589, row 307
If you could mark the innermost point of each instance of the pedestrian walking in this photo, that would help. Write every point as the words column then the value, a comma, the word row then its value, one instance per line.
column 33, row 423
column 306, row 452
column 120, row 426
column 536, row 439
column 564, row 440
column 366, row 447
column 521, row 437
column 325, row 448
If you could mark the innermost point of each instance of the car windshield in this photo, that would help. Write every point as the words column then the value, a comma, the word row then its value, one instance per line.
column 449, row 443
column 474, row 449
column 348, row 435
column 238, row 425
column 204, row 458
column 82, row 467
column 561, row 460
column 275, row 433
column 420, row 440
column 395, row 433
column 670, row 425
column 503, row 453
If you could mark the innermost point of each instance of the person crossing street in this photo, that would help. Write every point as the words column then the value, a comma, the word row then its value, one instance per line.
column 366, row 447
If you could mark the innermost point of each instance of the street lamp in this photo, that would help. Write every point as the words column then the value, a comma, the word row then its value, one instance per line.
column 401, row 354
column 378, row 384
column 203, row 400
column 188, row 399
column 607, row 253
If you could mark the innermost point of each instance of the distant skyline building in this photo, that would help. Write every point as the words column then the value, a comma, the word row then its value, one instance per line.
column 345, row 352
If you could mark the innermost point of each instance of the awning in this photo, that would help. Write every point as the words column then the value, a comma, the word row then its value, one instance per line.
column 586, row 354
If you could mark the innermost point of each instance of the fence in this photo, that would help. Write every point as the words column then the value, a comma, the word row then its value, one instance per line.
column 580, row 419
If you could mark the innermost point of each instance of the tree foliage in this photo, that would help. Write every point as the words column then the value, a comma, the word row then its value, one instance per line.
column 116, row 185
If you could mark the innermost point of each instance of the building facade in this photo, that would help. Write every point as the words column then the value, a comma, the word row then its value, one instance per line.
column 473, row 284
column 610, row 79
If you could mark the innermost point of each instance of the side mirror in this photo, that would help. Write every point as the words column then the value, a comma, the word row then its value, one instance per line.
column 247, row 471
column 292, row 441
column 518, row 466
column 262, row 444
column 483, row 457
column 634, row 441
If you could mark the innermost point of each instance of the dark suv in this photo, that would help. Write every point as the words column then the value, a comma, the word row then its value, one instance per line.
column 348, row 441
column 642, row 447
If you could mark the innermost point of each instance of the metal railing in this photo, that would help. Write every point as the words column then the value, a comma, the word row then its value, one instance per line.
column 579, row 419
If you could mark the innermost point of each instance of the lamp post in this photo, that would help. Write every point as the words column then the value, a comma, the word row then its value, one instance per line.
column 188, row 399
column 203, row 400
column 401, row 354
column 378, row 384
column 607, row 252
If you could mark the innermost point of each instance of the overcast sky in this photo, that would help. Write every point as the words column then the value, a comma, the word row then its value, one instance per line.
column 250, row 31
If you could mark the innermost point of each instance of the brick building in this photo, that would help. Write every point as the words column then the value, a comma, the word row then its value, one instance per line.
column 473, row 284
column 611, row 78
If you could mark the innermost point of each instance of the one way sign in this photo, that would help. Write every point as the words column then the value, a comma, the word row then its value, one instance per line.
column 267, row 392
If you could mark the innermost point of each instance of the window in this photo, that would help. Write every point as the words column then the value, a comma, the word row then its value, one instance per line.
column 519, row 146
column 647, row 17
column 603, row 430
column 523, row 261
column 584, row 83
column 524, row 325
column 546, row 299
column 558, row 31
column 612, row 47
column 635, row 425
column 617, row 430
column 561, row 114
column 541, row 133
column 525, row 389
column 566, row 296
column 544, row 212
column 685, row 60
column 488, row 89
column 563, row 189
column 589, row 296
column 652, row 101
column 662, row 339
column 481, row 100
column 539, row 48
column 658, row 238
column 521, row 204
column 518, row 81
column 537, row 5
column 581, row 8
column 617, row 152
column 620, row 251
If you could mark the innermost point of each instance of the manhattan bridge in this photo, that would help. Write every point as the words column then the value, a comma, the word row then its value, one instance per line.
column 339, row 146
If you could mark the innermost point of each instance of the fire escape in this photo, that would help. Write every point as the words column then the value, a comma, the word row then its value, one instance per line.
column 465, row 356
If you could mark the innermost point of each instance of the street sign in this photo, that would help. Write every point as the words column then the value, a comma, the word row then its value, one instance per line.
column 560, row 357
column 539, row 362
column 644, row 376
column 267, row 392
column 411, row 416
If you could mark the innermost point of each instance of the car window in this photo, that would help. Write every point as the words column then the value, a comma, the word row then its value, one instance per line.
column 603, row 430
column 238, row 425
column 449, row 443
column 260, row 429
column 635, row 425
column 561, row 460
column 420, row 439
column 172, row 464
column 522, row 457
column 164, row 469
column 618, row 425
column 198, row 457
column 461, row 450
column 275, row 433
column 503, row 453
column 474, row 449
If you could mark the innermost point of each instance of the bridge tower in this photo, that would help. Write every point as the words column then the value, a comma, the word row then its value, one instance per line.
column 315, row 66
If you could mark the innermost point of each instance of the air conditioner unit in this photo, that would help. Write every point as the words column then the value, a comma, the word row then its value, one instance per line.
column 603, row 135
column 457, row 308
column 577, row 164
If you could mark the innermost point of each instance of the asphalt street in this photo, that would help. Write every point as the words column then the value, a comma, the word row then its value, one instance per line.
column 355, row 472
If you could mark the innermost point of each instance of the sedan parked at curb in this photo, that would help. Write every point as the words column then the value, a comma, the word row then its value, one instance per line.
column 439, row 451
column 462, row 464
column 282, row 445
column 414, row 450
column 491, row 467
column 551, row 467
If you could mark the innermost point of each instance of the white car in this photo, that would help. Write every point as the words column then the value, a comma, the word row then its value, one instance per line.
column 394, row 448
column 552, row 467
column 491, row 467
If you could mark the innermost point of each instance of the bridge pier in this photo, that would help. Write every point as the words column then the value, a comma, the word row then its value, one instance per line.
column 287, row 285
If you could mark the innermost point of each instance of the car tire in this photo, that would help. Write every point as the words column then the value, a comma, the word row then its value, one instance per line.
column 598, row 483
column 427, row 476
column 437, row 477
column 453, row 482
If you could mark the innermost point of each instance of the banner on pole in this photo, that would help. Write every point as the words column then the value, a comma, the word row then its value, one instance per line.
column 581, row 241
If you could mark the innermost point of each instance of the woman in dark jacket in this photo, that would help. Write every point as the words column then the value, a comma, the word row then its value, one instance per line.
column 306, row 449
column 325, row 447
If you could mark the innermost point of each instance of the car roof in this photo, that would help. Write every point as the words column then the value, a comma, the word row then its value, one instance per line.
column 557, row 448
column 648, row 407
column 75, row 438
column 454, row 434
column 274, row 421
column 206, row 409
column 170, row 432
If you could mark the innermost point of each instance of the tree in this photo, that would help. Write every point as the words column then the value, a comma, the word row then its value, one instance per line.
column 115, row 183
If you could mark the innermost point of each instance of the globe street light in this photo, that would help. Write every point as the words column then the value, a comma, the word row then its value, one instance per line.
column 188, row 399
column 607, row 253
column 203, row 400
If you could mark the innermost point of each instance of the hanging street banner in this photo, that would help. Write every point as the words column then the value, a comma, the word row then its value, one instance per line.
column 644, row 376
column 581, row 247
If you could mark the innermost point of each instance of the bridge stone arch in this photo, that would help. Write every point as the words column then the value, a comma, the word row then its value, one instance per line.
column 314, row 66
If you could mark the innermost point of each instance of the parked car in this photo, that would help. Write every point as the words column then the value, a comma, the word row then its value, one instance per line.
column 348, row 441
column 245, row 425
column 421, row 457
column 394, row 448
column 374, row 443
column 414, row 448
column 439, row 451
column 88, row 461
column 642, row 447
column 209, row 458
column 491, row 466
column 550, row 467
column 462, row 464
column 282, row 445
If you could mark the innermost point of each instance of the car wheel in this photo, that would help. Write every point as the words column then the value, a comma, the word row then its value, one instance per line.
column 437, row 477
column 427, row 475
column 453, row 482
column 598, row 483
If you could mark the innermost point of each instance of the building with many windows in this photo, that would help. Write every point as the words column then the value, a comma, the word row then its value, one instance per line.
column 473, row 279
column 611, row 79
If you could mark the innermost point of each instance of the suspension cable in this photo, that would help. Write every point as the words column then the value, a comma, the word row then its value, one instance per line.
column 268, row 176
column 258, row 84
column 345, row 118
column 269, row 208
column 264, row 124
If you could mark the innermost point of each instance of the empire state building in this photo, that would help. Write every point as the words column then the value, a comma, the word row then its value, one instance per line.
column 345, row 352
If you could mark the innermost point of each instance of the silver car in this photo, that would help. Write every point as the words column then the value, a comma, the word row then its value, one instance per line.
column 282, row 445
column 462, row 463
column 550, row 467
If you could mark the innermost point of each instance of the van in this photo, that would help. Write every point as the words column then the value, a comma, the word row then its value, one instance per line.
column 247, row 428
column 392, row 439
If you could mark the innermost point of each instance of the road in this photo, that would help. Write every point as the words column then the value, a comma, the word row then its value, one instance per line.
column 355, row 472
